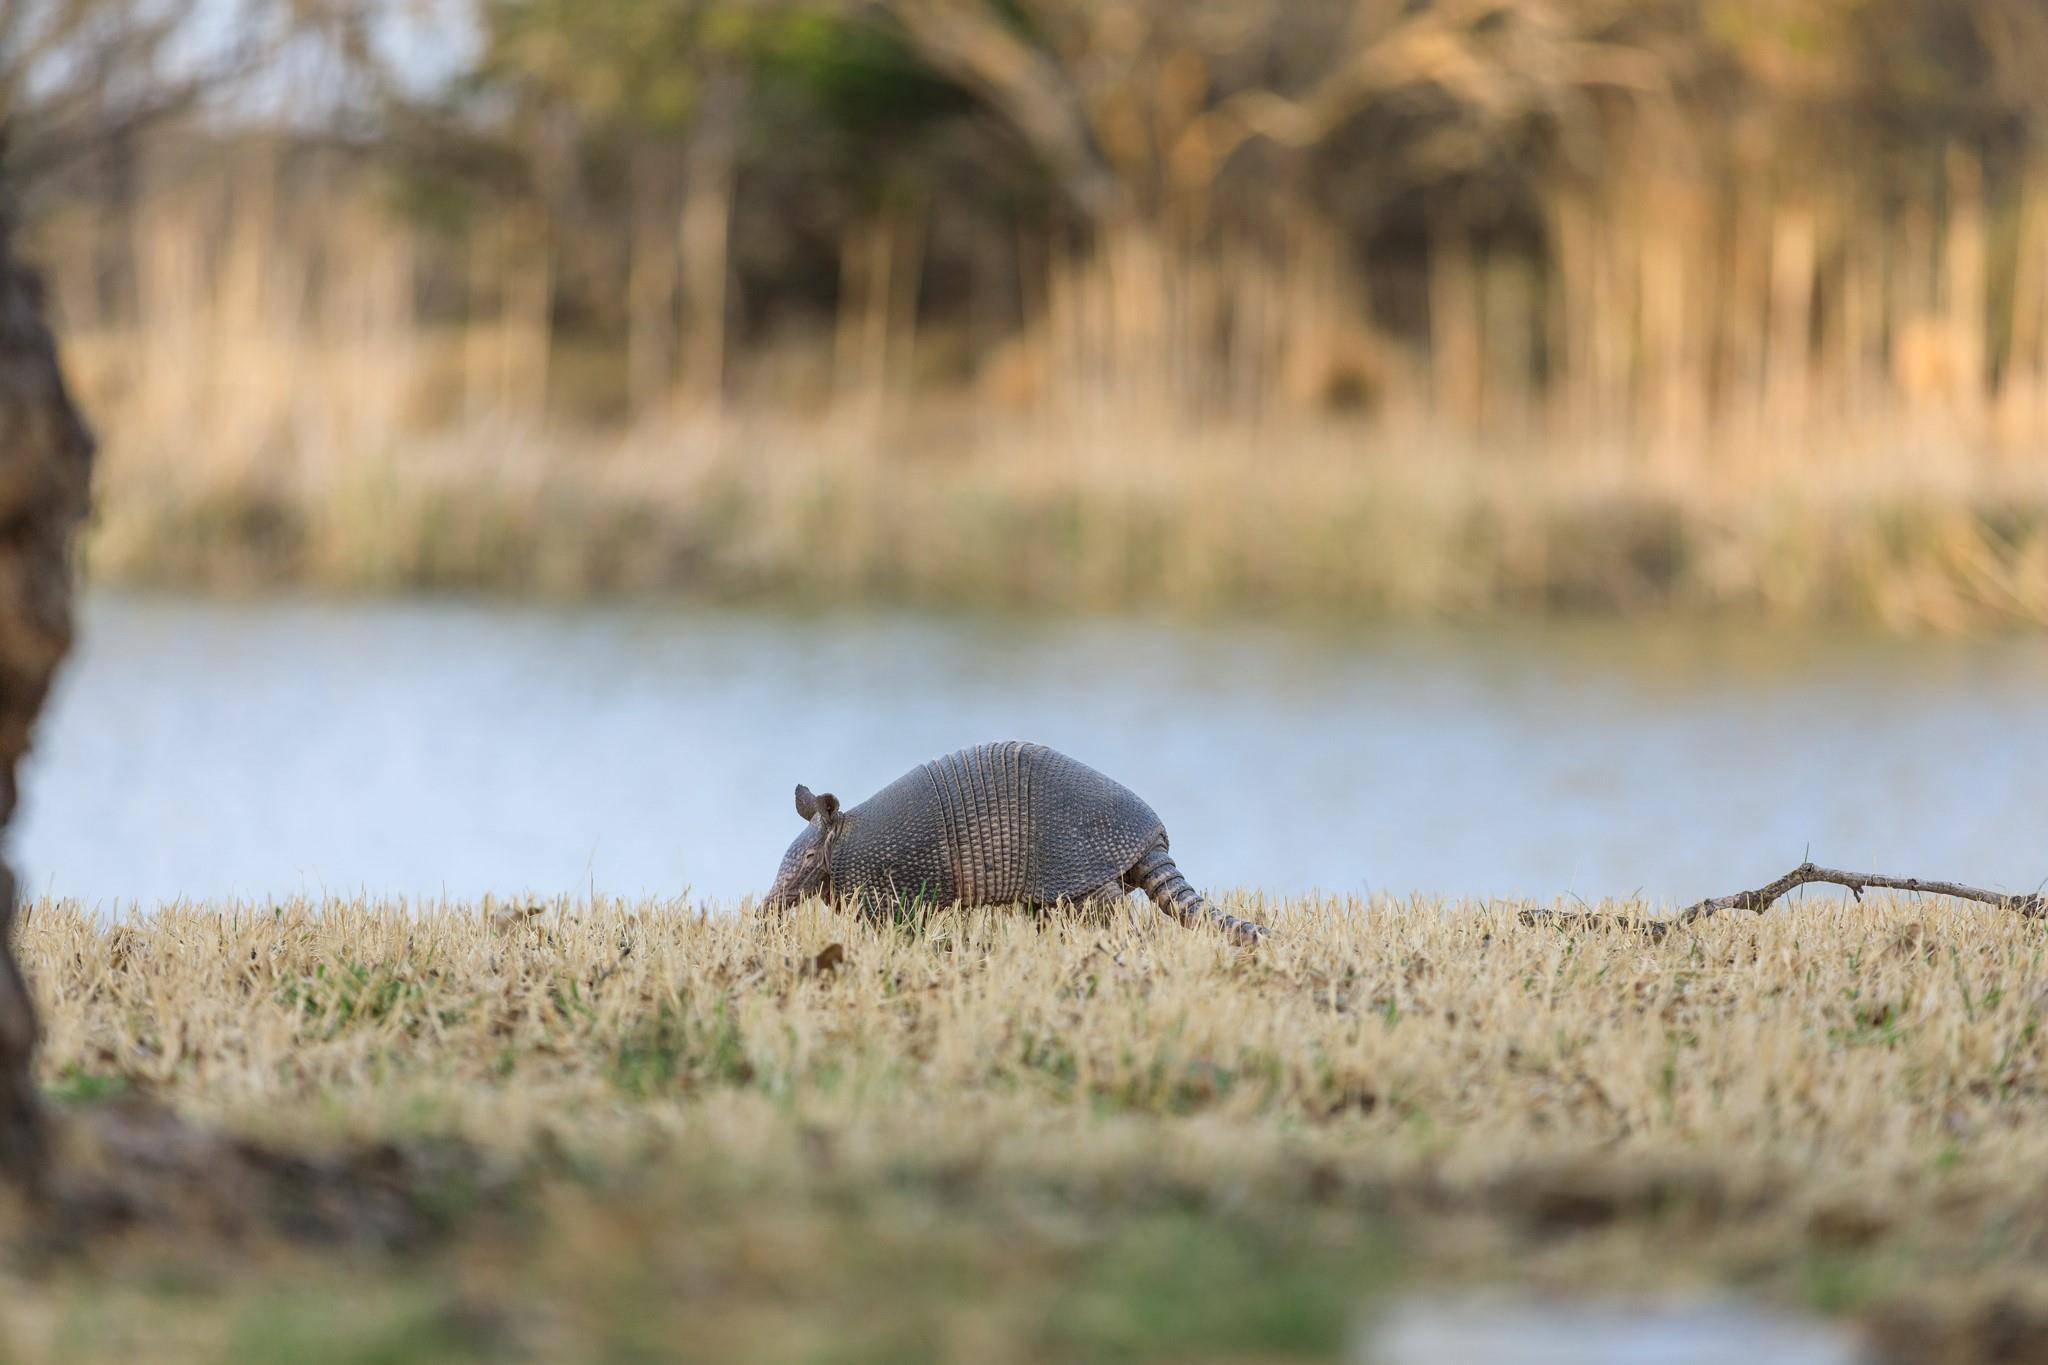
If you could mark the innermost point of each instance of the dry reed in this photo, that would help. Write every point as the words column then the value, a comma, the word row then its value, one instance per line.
column 1089, row 517
column 1785, row 411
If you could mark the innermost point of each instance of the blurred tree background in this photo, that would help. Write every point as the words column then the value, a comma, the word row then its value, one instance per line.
column 1720, row 235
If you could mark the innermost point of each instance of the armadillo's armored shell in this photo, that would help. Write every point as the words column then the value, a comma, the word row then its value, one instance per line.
column 991, row 825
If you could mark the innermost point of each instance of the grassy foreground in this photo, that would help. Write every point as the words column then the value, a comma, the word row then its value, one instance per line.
column 987, row 1137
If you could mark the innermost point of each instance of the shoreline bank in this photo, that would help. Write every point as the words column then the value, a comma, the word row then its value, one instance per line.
column 1057, row 523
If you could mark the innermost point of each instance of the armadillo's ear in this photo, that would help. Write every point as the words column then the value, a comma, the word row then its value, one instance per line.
column 828, row 806
column 806, row 804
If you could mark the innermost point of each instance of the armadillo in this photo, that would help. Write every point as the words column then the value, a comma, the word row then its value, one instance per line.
column 995, row 824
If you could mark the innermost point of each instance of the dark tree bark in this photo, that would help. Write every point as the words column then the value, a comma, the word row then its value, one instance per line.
column 45, row 460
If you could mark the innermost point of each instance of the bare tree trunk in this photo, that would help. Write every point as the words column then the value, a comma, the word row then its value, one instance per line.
column 45, row 457
column 528, row 325
column 651, row 286
column 855, row 363
column 860, row 364
column 1788, row 374
column 705, row 241
column 1963, row 266
column 1457, row 347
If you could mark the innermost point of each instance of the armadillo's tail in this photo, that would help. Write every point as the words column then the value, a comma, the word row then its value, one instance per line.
column 1156, row 875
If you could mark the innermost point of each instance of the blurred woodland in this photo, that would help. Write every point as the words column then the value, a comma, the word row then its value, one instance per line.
column 1718, row 236
column 1654, row 213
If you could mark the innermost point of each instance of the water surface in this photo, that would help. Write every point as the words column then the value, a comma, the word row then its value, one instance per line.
column 206, row 750
column 1482, row 1331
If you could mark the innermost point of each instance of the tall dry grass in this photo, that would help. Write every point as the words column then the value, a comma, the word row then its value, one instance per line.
column 1094, row 517
column 1684, row 311
column 1838, row 1104
column 1805, row 405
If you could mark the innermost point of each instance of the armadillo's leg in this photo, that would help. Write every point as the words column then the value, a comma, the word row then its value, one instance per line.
column 1159, row 879
column 1096, row 907
column 1100, row 905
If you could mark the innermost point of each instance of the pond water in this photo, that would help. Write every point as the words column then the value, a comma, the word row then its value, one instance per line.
column 1479, row 1330
column 205, row 750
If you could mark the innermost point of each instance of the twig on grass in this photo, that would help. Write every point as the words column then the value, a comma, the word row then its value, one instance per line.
column 2032, row 906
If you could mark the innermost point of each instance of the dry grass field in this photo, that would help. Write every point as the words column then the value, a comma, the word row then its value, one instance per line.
column 616, row 1131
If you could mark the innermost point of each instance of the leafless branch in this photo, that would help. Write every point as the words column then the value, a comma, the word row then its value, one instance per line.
column 2030, row 906
column 81, row 78
column 972, row 44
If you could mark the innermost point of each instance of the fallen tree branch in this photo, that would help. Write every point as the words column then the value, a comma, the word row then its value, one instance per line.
column 2032, row 906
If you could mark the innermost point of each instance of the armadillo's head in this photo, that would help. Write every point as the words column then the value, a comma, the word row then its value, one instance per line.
column 806, row 868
